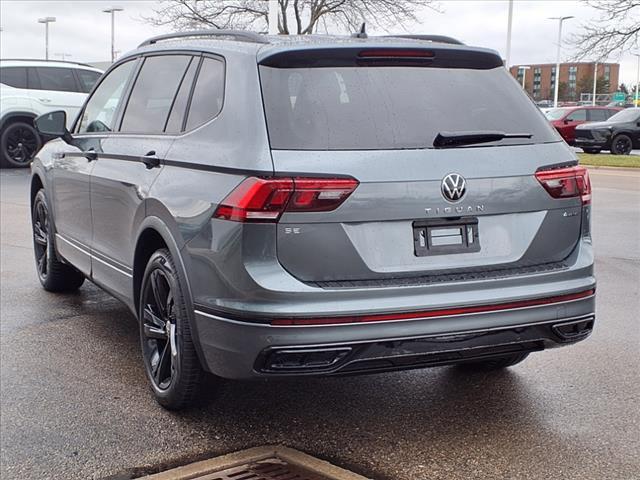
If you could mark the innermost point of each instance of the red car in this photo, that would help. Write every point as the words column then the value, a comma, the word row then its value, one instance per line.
column 566, row 119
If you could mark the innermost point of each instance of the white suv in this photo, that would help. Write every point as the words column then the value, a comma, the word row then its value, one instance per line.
column 29, row 88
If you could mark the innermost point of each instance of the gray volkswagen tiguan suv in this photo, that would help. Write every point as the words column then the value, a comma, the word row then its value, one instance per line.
column 277, row 206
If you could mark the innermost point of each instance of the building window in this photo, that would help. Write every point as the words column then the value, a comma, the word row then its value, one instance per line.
column 607, row 72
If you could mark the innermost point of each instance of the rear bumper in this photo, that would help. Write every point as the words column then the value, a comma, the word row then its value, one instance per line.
column 239, row 349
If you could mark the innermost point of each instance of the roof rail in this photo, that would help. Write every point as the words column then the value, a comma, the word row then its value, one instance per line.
column 43, row 60
column 238, row 35
column 430, row 38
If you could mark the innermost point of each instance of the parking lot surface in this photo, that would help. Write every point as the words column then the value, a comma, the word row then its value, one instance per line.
column 75, row 403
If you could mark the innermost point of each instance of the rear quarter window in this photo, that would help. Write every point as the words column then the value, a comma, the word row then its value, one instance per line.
column 208, row 93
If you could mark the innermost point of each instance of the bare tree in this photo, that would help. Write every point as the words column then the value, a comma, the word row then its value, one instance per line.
column 295, row 16
column 616, row 30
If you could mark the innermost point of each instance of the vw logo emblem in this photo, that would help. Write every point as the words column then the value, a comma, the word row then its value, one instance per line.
column 454, row 186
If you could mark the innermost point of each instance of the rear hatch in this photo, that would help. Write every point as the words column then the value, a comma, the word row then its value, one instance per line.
column 373, row 114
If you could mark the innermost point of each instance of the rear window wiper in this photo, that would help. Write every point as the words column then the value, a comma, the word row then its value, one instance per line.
column 454, row 139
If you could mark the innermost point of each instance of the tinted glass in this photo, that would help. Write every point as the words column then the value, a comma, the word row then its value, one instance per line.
column 99, row 112
column 599, row 115
column 87, row 79
column 153, row 93
column 57, row 79
column 555, row 113
column 208, row 93
column 364, row 108
column 577, row 116
column 14, row 76
column 178, row 110
column 627, row 115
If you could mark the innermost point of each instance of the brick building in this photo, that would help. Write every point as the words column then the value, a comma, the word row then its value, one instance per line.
column 540, row 78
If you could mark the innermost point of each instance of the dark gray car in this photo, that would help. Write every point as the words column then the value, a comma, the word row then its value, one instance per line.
column 276, row 206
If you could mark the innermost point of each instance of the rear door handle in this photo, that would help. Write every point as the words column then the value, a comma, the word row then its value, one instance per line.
column 45, row 100
column 90, row 155
column 150, row 160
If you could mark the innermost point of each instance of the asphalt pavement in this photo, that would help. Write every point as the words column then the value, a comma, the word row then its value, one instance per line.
column 74, row 402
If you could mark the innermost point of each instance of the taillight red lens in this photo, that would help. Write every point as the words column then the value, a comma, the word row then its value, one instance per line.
column 265, row 199
column 567, row 182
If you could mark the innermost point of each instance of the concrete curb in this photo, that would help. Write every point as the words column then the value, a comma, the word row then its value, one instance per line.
column 613, row 169
column 289, row 455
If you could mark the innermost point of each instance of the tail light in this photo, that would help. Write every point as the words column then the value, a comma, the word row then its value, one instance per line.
column 566, row 183
column 265, row 199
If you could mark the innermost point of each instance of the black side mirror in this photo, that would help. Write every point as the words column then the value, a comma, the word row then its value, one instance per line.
column 54, row 124
column 566, row 121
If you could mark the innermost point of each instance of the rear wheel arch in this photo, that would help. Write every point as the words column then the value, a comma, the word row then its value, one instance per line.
column 154, row 234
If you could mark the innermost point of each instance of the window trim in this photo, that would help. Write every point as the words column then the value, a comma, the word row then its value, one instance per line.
column 221, row 59
column 76, row 123
column 129, row 87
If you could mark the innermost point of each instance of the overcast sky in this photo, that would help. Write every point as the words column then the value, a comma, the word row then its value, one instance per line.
column 82, row 31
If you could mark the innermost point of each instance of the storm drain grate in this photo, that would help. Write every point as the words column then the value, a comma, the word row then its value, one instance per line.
column 259, row 463
column 270, row 469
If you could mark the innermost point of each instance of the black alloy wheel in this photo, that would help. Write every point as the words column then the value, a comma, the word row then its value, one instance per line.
column 41, row 238
column 20, row 142
column 160, row 348
column 54, row 274
column 168, row 352
column 621, row 145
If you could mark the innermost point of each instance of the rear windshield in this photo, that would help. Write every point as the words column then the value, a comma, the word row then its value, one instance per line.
column 628, row 115
column 384, row 108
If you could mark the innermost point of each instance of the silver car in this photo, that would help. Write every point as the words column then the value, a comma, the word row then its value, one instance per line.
column 278, row 206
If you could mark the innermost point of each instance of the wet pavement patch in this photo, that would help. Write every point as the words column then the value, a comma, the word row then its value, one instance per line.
column 260, row 463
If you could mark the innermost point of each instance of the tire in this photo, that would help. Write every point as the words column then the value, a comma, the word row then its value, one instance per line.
column 168, row 352
column 54, row 275
column 591, row 150
column 621, row 145
column 497, row 363
column 19, row 142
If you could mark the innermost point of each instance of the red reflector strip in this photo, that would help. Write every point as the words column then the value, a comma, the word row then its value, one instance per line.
column 433, row 313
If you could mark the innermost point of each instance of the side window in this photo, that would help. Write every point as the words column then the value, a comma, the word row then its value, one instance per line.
column 179, row 108
column 14, row 76
column 57, row 79
column 598, row 115
column 153, row 94
column 100, row 109
column 577, row 116
column 208, row 93
column 87, row 79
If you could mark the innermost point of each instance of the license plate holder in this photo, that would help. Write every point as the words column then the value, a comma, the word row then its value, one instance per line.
column 445, row 236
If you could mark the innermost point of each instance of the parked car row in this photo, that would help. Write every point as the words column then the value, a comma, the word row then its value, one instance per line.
column 594, row 128
column 29, row 88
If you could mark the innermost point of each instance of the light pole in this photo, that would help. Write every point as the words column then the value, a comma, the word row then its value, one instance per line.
column 555, row 93
column 46, row 21
column 509, row 22
column 113, row 11
column 595, row 79
column 635, row 103
column 524, row 69
column 273, row 17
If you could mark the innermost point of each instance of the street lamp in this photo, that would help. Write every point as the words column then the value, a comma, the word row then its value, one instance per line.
column 635, row 103
column 46, row 21
column 509, row 22
column 557, row 82
column 112, row 11
column 524, row 69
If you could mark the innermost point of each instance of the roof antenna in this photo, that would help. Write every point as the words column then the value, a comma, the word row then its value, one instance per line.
column 362, row 33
